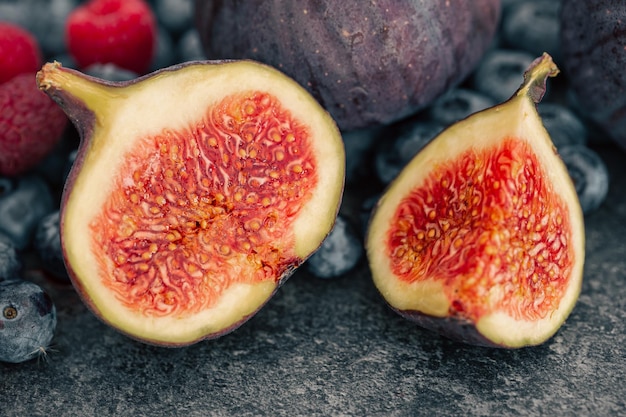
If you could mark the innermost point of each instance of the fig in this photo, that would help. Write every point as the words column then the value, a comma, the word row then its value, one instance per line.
column 593, row 43
column 197, row 190
column 481, row 236
column 369, row 63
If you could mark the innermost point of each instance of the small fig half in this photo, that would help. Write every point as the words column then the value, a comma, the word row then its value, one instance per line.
column 481, row 236
column 196, row 192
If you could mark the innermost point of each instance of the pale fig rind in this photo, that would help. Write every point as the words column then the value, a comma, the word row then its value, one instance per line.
column 436, row 301
column 114, row 120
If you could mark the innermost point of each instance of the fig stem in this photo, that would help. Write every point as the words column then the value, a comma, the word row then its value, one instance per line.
column 62, row 84
column 535, row 77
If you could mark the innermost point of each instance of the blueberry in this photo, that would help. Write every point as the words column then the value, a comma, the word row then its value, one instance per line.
column 404, row 141
column 499, row 73
column 338, row 254
column 533, row 26
column 190, row 47
column 7, row 185
column 50, row 29
column 15, row 12
column 10, row 264
column 457, row 104
column 365, row 211
column 47, row 244
column 165, row 55
column 358, row 144
column 564, row 127
column 71, row 158
column 175, row 15
column 27, row 321
column 589, row 173
column 110, row 72
column 22, row 208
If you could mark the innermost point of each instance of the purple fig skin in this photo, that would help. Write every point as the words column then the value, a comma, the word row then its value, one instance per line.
column 457, row 329
column 367, row 63
column 593, row 42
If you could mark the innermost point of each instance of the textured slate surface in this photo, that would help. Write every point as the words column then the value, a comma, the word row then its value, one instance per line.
column 333, row 348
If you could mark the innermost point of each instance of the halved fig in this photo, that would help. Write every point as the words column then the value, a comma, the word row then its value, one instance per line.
column 196, row 192
column 481, row 236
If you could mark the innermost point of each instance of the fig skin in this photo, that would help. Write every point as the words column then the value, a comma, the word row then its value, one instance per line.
column 431, row 301
column 98, row 107
column 367, row 63
column 593, row 43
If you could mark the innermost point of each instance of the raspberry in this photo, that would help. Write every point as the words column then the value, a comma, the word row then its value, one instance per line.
column 31, row 124
column 121, row 32
column 19, row 52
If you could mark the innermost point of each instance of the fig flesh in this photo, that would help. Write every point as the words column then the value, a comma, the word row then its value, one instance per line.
column 481, row 236
column 196, row 192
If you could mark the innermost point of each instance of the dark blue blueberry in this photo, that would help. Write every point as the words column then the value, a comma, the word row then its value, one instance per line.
column 402, row 143
column 22, row 208
column 338, row 254
column 589, row 173
column 365, row 211
column 358, row 144
column 500, row 73
column 10, row 264
column 110, row 72
column 533, row 26
column 165, row 54
column 564, row 127
column 71, row 158
column 7, row 185
column 190, row 47
column 457, row 104
column 27, row 321
column 53, row 166
column 15, row 12
column 45, row 19
column 47, row 243
column 175, row 15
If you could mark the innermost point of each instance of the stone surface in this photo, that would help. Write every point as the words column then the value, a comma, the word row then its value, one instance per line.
column 333, row 348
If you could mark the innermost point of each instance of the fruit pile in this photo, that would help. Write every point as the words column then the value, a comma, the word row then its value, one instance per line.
column 120, row 40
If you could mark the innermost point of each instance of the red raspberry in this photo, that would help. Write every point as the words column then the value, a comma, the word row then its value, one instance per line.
column 31, row 124
column 121, row 32
column 19, row 52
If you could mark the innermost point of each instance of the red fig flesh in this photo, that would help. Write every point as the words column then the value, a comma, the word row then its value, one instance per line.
column 481, row 236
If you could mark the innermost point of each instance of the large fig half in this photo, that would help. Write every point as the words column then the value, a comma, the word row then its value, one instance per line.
column 481, row 236
column 197, row 190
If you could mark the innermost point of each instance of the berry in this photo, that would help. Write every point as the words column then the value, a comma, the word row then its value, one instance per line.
column 589, row 173
column 165, row 53
column 457, row 104
column 22, row 209
column 110, row 72
column 357, row 144
column 122, row 32
column 19, row 52
column 10, row 264
column 411, row 136
column 175, row 15
column 498, row 74
column 533, row 26
column 564, row 127
column 47, row 244
column 27, row 321
column 190, row 47
column 338, row 254
column 31, row 124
